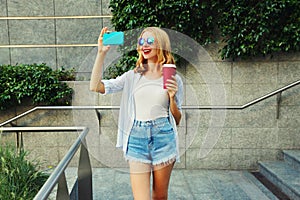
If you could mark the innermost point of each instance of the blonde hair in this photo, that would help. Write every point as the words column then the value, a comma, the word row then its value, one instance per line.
column 163, row 44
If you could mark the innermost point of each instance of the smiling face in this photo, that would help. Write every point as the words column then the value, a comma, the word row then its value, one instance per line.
column 158, row 51
column 149, row 51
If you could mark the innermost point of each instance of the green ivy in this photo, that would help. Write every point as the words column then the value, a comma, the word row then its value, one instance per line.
column 170, row 14
column 256, row 28
column 193, row 18
column 37, row 82
column 126, row 63
column 248, row 28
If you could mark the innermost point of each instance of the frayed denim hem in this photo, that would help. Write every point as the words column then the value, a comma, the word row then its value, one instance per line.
column 132, row 159
column 166, row 161
column 163, row 162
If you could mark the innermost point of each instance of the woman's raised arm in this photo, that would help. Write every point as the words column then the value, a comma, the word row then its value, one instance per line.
column 95, row 83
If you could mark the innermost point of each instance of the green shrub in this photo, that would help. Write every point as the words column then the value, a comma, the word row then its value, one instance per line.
column 19, row 178
column 36, row 82
column 65, row 75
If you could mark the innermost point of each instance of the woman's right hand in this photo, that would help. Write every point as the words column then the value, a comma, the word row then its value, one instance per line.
column 101, row 47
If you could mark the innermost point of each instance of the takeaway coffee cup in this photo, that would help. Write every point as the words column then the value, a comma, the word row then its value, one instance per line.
column 169, row 70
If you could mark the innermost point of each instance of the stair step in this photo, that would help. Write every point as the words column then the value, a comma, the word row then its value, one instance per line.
column 292, row 157
column 251, row 178
column 283, row 176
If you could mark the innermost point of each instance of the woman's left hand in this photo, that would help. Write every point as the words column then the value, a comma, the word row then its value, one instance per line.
column 172, row 87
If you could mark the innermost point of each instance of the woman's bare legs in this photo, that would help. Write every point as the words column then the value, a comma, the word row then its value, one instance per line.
column 161, row 178
column 140, row 174
column 140, row 180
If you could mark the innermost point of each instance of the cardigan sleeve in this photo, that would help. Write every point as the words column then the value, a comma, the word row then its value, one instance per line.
column 179, row 94
column 116, row 84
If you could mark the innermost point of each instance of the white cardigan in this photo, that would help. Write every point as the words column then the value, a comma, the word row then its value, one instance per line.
column 127, row 83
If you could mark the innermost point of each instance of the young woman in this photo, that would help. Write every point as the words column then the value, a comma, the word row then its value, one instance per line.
column 148, row 113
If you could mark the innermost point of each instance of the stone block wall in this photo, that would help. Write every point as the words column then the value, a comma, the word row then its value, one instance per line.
column 38, row 25
column 226, row 139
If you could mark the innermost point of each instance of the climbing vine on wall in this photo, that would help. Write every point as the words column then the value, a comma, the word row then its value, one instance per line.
column 247, row 28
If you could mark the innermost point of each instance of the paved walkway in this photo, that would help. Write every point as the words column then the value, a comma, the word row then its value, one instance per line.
column 185, row 184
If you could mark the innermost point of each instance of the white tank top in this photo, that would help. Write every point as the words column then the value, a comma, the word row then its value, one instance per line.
column 151, row 100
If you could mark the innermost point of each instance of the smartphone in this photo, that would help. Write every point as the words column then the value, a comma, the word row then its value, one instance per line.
column 113, row 38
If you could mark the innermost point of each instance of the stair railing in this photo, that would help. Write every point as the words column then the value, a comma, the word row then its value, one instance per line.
column 277, row 92
column 82, row 189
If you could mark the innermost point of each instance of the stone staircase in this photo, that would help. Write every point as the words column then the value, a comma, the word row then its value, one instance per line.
column 284, row 174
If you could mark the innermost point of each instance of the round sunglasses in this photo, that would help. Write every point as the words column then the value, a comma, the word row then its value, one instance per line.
column 149, row 40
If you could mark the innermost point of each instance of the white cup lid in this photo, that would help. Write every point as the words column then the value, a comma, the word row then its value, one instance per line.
column 169, row 65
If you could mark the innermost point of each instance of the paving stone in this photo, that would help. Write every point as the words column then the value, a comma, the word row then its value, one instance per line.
column 185, row 184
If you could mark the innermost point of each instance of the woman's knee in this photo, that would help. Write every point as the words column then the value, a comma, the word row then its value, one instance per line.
column 159, row 196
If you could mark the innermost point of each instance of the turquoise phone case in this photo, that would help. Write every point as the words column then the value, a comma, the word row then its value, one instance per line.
column 113, row 38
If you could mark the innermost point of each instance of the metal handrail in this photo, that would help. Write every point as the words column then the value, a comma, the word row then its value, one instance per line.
column 53, row 179
column 229, row 107
column 41, row 129
column 275, row 92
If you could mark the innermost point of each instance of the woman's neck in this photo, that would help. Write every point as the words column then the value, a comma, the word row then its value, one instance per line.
column 152, row 67
column 153, row 71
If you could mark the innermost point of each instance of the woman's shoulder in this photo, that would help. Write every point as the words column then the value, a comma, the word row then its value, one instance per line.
column 128, row 73
column 131, row 74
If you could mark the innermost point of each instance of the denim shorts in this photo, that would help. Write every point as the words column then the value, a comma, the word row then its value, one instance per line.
column 152, row 142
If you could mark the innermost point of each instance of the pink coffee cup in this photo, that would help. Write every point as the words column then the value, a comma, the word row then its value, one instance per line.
column 169, row 70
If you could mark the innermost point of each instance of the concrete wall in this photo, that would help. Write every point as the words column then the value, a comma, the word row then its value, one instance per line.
column 233, row 139
column 226, row 139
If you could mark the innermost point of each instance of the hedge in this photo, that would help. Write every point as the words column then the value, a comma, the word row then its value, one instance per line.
column 37, row 82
